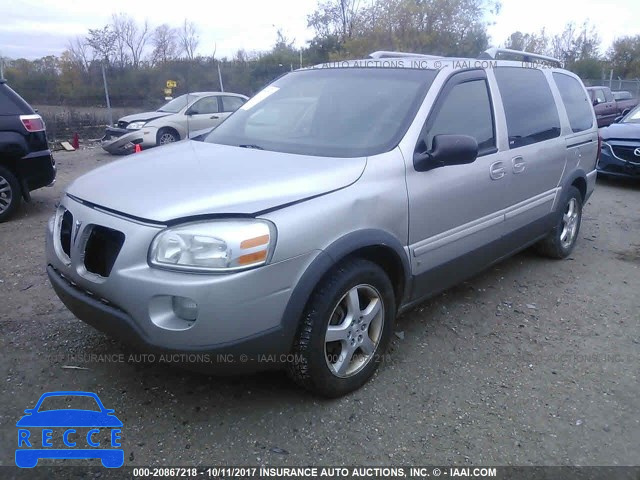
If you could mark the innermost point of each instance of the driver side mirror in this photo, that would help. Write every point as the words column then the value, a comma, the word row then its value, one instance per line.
column 595, row 102
column 447, row 150
column 192, row 111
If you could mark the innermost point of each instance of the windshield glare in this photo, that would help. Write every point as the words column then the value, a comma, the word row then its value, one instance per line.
column 175, row 105
column 633, row 116
column 344, row 112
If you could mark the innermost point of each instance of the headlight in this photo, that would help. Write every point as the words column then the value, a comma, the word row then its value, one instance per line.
column 135, row 125
column 214, row 246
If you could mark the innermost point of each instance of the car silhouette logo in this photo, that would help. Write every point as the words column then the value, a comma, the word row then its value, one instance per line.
column 40, row 433
column 636, row 152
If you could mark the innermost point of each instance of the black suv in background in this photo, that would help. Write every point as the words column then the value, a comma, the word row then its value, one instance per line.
column 26, row 162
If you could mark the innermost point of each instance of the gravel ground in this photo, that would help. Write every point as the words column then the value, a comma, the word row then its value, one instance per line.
column 534, row 362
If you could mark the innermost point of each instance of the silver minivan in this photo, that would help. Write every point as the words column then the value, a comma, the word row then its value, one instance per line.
column 333, row 200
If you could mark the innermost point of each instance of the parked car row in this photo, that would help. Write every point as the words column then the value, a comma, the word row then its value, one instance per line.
column 610, row 105
column 172, row 122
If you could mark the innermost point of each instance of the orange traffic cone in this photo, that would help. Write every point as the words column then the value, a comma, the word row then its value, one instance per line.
column 137, row 148
column 75, row 143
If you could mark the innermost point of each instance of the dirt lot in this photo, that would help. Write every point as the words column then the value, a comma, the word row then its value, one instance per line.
column 533, row 362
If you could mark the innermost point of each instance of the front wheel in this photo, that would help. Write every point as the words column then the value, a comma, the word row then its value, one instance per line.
column 10, row 194
column 344, row 330
column 166, row 136
column 561, row 240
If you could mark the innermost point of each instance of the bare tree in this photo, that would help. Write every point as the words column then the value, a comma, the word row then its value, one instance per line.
column 118, row 25
column 188, row 38
column 103, row 43
column 79, row 51
column 335, row 17
column 576, row 43
column 165, row 44
column 131, row 38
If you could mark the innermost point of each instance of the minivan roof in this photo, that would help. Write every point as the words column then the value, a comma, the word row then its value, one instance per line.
column 487, row 59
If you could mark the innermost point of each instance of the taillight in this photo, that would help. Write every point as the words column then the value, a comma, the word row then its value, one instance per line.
column 33, row 123
column 599, row 149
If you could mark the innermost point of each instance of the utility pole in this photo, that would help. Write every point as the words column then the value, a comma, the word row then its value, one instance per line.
column 610, row 78
column 220, row 78
column 106, row 94
column 1, row 67
column 301, row 58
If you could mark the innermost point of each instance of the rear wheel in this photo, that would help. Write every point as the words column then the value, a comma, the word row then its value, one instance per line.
column 561, row 240
column 10, row 194
column 345, row 329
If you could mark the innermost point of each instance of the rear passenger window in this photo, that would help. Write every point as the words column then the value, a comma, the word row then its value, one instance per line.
column 575, row 101
column 205, row 106
column 466, row 110
column 529, row 107
column 231, row 104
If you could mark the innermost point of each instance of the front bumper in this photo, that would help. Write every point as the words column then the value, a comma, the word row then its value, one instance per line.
column 120, row 141
column 612, row 164
column 238, row 314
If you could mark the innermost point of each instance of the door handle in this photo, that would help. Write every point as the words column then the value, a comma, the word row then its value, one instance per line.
column 518, row 164
column 214, row 117
column 497, row 170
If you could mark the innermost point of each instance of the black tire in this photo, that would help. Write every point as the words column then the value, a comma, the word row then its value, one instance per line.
column 554, row 246
column 166, row 133
column 10, row 194
column 310, row 367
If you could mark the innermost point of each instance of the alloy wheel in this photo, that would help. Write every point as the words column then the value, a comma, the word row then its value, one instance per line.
column 569, row 223
column 354, row 331
column 6, row 195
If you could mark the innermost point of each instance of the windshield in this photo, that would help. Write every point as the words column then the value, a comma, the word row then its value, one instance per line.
column 633, row 116
column 333, row 112
column 76, row 402
column 175, row 105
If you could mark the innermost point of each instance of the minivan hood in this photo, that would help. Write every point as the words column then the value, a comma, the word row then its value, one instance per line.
column 144, row 116
column 195, row 178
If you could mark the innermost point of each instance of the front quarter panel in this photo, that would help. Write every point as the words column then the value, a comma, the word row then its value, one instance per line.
column 376, row 201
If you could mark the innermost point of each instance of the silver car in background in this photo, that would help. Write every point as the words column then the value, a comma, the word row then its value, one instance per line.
column 335, row 199
column 174, row 121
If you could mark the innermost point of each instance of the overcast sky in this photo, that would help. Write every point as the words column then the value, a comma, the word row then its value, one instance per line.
column 35, row 28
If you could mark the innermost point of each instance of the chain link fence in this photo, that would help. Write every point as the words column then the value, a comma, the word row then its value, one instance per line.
column 88, row 122
column 616, row 84
column 85, row 113
column 79, row 106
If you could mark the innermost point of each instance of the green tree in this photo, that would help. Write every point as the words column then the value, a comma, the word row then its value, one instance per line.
column 624, row 57
column 444, row 27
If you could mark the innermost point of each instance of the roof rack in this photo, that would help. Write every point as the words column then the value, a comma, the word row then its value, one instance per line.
column 389, row 54
column 525, row 56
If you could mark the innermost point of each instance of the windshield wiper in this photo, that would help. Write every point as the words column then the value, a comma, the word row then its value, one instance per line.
column 249, row 145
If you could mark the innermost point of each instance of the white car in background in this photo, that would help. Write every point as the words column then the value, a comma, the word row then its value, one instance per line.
column 172, row 122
